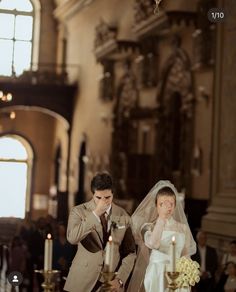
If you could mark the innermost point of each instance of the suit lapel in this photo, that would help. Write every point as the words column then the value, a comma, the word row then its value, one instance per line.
column 115, row 214
column 114, row 219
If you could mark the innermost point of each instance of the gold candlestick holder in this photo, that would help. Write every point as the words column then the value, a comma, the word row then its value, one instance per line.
column 171, row 279
column 107, row 276
column 48, row 284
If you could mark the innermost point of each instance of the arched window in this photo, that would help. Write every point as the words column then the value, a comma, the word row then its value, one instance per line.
column 15, row 168
column 16, row 36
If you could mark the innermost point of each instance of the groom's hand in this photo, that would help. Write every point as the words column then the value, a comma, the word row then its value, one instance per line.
column 115, row 286
column 101, row 207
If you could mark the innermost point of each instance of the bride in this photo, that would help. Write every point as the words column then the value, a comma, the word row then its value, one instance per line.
column 158, row 218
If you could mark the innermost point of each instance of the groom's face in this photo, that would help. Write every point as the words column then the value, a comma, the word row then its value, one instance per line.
column 103, row 197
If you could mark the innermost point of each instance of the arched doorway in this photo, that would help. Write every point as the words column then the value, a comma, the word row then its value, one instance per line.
column 16, row 156
column 175, row 129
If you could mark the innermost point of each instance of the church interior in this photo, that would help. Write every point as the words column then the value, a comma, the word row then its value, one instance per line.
column 142, row 89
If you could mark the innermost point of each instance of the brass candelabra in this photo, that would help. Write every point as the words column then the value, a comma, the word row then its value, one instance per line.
column 107, row 276
column 171, row 279
column 48, row 284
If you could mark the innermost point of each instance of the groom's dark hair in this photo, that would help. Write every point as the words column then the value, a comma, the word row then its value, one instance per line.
column 165, row 191
column 101, row 181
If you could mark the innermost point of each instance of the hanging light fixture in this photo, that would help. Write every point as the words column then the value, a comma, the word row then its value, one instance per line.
column 5, row 97
column 12, row 115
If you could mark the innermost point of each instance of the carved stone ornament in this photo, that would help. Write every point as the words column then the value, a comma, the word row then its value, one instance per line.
column 143, row 9
column 108, row 47
column 177, row 77
column 106, row 84
column 104, row 32
column 204, row 36
column 127, row 93
column 149, row 19
column 147, row 62
column 175, row 130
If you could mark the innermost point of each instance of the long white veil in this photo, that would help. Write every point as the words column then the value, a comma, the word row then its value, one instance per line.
column 146, row 212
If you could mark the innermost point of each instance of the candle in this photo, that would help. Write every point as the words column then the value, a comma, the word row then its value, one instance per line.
column 48, row 253
column 172, row 255
column 109, row 254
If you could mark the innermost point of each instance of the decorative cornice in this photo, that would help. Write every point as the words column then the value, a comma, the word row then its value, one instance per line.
column 104, row 33
column 156, row 23
column 68, row 8
column 115, row 49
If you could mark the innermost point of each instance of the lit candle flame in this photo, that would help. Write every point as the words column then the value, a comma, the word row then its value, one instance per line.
column 12, row 115
column 49, row 236
column 173, row 239
column 110, row 238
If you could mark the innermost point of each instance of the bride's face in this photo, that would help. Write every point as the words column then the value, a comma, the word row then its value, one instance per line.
column 166, row 205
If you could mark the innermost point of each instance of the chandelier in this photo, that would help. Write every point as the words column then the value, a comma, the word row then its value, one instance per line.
column 5, row 97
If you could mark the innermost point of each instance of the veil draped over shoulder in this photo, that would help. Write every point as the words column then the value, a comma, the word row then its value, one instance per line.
column 146, row 212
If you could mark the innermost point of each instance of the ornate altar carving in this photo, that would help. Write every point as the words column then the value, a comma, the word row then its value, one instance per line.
column 133, row 139
column 143, row 9
column 127, row 93
column 147, row 63
column 126, row 100
column 204, row 36
column 108, row 50
column 147, row 22
column 106, row 85
column 107, row 46
column 104, row 33
column 175, row 130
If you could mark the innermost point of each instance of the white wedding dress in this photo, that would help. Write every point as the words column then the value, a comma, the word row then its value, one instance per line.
column 153, row 235
column 159, row 261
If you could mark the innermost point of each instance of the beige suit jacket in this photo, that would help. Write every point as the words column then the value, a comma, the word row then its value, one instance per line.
column 85, row 230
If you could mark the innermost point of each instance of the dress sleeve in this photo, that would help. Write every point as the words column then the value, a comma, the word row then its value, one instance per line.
column 186, row 249
column 152, row 238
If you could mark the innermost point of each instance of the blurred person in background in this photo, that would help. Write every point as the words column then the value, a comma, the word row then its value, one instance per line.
column 207, row 258
column 63, row 253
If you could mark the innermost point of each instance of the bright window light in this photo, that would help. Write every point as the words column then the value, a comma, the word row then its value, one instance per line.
column 6, row 50
column 12, row 149
column 16, row 26
column 13, row 194
column 20, row 5
column 24, row 25
column 13, row 168
column 7, row 31
column 22, row 61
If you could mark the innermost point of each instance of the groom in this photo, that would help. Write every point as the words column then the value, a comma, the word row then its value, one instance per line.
column 89, row 227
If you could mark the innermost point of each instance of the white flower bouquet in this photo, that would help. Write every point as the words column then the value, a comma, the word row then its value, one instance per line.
column 189, row 272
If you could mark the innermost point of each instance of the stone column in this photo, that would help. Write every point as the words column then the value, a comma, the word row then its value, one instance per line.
column 220, row 220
